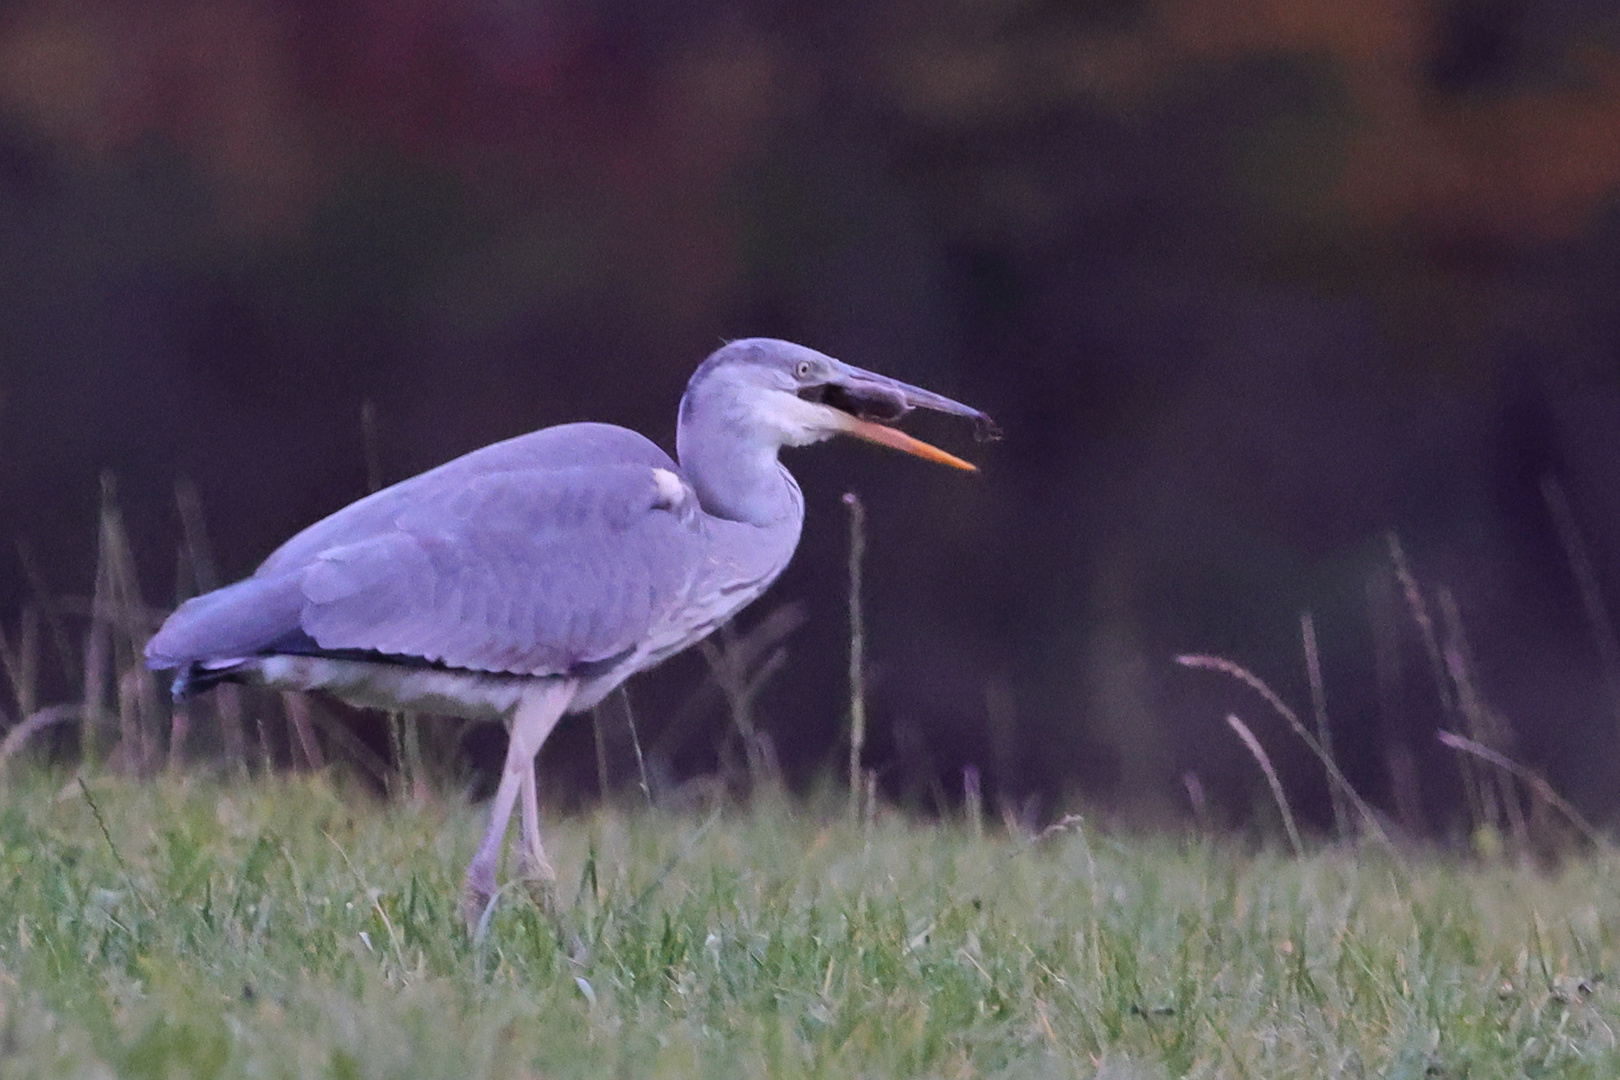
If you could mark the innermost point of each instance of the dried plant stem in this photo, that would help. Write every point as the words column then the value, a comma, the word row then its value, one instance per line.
column 228, row 705
column 1536, row 782
column 744, row 651
column 1475, row 786
column 198, row 553
column 1259, row 753
column 28, row 652
column 97, row 661
column 1002, row 714
column 1419, row 608
column 741, row 687
column 857, row 645
column 599, row 737
column 400, row 776
column 635, row 744
column 31, row 725
column 1313, row 670
column 197, row 557
column 59, row 637
column 1598, row 620
column 309, row 749
column 869, row 799
column 106, row 834
column 339, row 737
column 973, row 801
column 413, row 756
column 21, row 662
column 1247, row 678
column 1496, row 792
column 113, row 666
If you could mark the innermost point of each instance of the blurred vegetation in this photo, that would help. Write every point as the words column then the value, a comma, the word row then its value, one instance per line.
column 1251, row 284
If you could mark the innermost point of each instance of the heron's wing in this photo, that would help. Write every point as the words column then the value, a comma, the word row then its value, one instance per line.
column 565, row 446
column 524, row 572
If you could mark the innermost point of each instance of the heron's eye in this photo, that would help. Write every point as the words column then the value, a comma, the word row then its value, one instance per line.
column 803, row 370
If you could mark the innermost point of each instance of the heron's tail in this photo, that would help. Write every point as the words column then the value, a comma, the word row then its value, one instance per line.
column 209, row 635
column 194, row 678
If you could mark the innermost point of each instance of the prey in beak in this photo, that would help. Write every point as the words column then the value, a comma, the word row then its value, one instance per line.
column 863, row 404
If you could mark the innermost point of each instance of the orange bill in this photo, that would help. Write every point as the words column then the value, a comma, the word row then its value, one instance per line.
column 899, row 440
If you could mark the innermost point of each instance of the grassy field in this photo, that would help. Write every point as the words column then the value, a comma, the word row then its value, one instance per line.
column 291, row 928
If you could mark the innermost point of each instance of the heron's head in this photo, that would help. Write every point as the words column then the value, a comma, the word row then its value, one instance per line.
column 792, row 396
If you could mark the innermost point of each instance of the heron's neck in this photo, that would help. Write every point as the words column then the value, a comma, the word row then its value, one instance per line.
column 732, row 464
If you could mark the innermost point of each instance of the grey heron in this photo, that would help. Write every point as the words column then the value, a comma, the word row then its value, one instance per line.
column 528, row 579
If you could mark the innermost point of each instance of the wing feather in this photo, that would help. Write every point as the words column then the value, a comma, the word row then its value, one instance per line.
column 526, row 572
column 537, row 555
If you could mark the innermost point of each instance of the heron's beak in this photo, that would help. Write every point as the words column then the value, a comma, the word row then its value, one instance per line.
column 888, row 436
column 863, row 404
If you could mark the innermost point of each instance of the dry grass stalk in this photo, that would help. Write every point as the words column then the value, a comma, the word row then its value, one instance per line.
column 197, row 557
column 139, row 721
column 420, row 788
column 1486, row 726
column 20, row 662
column 1598, row 620
column 97, row 661
column 869, row 798
column 1197, row 800
column 194, row 547
column 742, row 651
column 399, row 778
column 303, row 731
column 599, row 737
column 114, row 668
column 1383, row 618
column 733, row 668
column 1419, row 608
column 857, row 645
column 353, row 750
column 1253, row 682
column 61, row 641
column 1259, row 753
column 233, row 732
column 26, row 682
column 1534, row 780
column 623, row 694
column 973, row 800
column 1313, row 671
column 612, row 726
column 603, row 717
column 1001, row 711
column 31, row 725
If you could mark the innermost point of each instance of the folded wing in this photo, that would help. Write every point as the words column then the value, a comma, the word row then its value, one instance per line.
column 509, row 560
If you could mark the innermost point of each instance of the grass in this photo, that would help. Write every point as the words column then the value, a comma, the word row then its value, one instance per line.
column 293, row 928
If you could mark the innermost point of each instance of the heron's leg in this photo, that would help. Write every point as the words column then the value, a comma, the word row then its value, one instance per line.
column 532, row 861
column 536, row 714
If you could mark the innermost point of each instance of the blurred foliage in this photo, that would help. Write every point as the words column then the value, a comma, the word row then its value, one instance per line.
column 1249, row 282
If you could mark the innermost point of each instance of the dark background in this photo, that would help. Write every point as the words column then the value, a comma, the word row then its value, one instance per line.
column 1250, row 285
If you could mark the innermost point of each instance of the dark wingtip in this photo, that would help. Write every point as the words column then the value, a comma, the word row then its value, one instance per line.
column 193, row 679
column 985, row 429
column 183, row 685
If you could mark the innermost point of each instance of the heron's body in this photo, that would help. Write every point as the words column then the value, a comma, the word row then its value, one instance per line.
column 374, row 602
column 530, row 578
